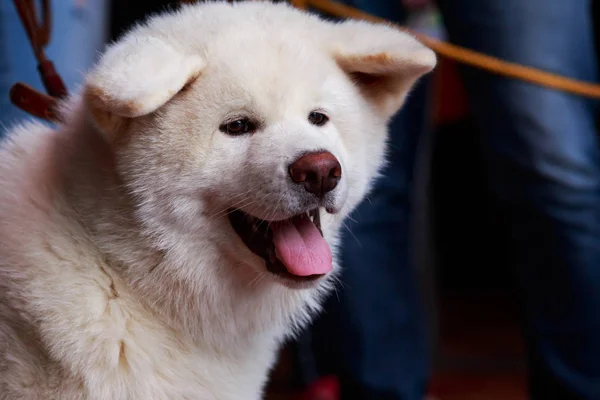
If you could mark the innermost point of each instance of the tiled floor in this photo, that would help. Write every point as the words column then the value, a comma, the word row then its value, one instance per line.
column 480, row 356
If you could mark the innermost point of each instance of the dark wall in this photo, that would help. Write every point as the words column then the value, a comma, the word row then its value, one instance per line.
column 125, row 13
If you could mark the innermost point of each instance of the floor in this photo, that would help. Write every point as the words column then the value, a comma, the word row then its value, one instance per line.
column 480, row 355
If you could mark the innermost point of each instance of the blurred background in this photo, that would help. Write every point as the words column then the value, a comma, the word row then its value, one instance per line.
column 461, row 232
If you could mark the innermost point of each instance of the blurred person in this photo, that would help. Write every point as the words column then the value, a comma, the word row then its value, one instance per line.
column 543, row 168
column 78, row 32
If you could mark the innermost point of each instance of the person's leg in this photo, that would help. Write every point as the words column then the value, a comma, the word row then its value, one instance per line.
column 543, row 164
column 78, row 34
column 371, row 333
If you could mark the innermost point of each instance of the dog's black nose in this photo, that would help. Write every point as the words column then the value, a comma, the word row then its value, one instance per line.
column 319, row 172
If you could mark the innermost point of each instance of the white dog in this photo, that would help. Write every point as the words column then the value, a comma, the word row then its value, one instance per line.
column 183, row 221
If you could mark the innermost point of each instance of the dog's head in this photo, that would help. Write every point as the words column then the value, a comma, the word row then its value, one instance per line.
column 253, row 127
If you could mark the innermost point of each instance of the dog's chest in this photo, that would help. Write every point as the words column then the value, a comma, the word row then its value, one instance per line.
column 153, row 365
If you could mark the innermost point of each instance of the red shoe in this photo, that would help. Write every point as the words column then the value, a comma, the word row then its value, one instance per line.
column 326, row 388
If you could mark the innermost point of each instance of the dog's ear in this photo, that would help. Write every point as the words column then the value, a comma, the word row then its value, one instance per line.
column 135, row 77
column 382, row 60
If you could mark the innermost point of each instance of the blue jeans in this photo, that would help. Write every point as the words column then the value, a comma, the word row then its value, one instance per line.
column 78, row 33
column 543, row 168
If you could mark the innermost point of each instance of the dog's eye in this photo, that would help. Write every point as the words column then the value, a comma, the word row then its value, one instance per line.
column 317, row 118
column 238, row 127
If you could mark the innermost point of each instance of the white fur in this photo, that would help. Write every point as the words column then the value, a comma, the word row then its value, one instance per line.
column 120, row 274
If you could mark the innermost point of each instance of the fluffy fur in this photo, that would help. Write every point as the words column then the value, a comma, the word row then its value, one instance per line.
column 120, row 274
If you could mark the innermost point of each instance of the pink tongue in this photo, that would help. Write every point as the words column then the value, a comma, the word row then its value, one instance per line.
column 301, row 248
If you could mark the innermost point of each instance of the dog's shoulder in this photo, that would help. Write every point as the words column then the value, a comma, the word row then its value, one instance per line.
column 27, row 173
column 29, row 196
column 27, row 237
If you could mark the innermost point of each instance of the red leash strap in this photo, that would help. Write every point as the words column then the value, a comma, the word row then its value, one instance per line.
column 23, row 96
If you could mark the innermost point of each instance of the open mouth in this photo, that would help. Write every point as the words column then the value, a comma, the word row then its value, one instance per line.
column 293, row 248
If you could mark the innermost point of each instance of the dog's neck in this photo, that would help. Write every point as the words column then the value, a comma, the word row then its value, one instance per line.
column 199, row 297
